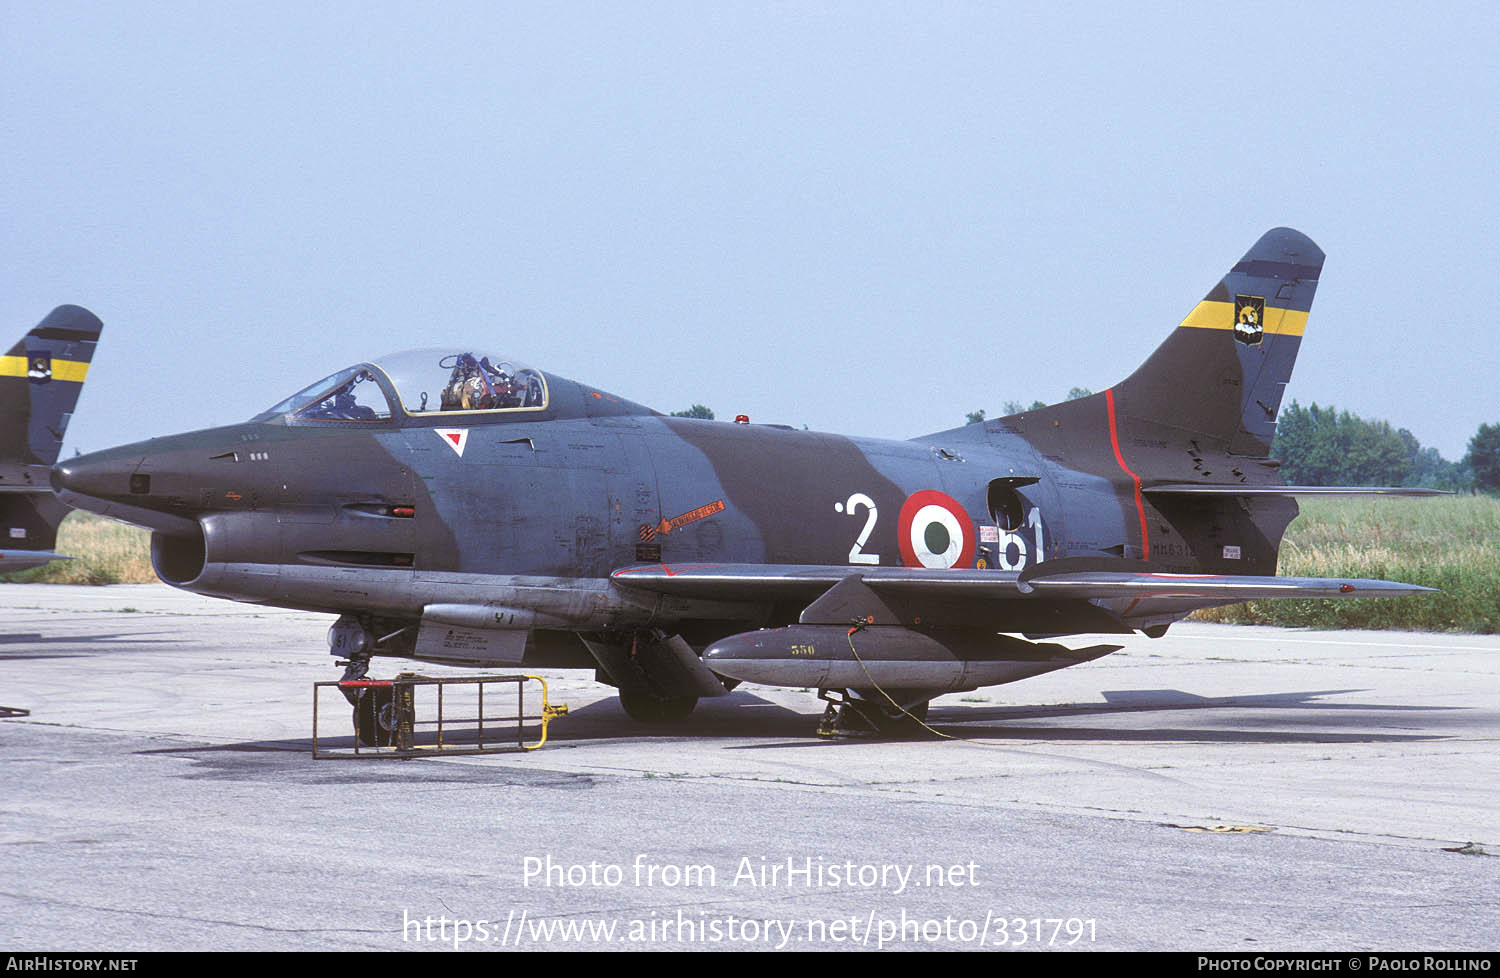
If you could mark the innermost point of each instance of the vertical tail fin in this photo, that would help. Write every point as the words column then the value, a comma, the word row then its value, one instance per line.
column 1201, row 410
column 40, row 379
column 1220, row 375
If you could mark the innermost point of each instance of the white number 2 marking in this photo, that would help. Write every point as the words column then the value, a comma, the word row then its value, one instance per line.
column 857, row 554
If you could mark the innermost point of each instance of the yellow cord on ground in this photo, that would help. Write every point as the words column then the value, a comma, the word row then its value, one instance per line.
column 889, row 699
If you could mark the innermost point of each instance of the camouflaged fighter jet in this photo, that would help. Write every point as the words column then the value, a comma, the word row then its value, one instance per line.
column 40, row 380
column 458, row 506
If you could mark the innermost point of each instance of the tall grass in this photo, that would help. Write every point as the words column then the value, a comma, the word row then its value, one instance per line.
column 103, row 552
column 1452, row 543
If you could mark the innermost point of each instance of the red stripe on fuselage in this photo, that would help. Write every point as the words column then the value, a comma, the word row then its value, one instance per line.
column 1140, row 503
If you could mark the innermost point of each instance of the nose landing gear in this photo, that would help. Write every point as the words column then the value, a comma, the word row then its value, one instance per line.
column 375, row 720
column 374, row 703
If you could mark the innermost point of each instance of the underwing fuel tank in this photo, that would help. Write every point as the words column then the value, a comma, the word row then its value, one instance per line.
column 835, row 656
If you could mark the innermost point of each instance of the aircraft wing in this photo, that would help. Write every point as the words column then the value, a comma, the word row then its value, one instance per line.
column 1068, row 579
column 774, row 582
column 1218, row 587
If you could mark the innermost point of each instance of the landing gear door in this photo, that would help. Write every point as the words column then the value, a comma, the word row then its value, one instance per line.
column 456, row 645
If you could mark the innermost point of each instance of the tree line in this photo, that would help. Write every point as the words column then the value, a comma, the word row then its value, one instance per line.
column 1329, row 447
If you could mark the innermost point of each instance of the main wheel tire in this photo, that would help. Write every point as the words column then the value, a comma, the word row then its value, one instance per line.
column 374, row 717
column 919, row 712
column 873, row 713
column 645, row 708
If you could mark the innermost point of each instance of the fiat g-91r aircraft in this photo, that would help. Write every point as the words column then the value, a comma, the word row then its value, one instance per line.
column 456, row 505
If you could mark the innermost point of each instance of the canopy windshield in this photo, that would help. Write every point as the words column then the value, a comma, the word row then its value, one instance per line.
column 352, row 394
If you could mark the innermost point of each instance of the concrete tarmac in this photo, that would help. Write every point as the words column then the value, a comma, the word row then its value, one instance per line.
column 1222, row 788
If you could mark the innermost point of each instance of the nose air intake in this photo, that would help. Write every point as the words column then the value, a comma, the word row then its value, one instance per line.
column 178, row 558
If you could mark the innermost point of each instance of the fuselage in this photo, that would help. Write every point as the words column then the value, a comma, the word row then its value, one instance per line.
column 288, row 513
column 348, row 498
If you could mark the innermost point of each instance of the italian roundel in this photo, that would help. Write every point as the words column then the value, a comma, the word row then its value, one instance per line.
column 934, row 531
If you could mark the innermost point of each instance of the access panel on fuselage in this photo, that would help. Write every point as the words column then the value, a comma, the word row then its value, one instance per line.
column 633, row 505
column 527, row 499
column 336, row 494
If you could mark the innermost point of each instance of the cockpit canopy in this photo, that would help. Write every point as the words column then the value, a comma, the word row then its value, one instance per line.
column 450, row 380
column 439, row 381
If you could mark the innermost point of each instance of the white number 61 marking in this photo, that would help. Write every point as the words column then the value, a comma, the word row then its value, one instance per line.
column 1008, row 537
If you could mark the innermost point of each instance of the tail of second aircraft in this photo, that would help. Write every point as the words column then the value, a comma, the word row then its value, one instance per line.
column 40, row 379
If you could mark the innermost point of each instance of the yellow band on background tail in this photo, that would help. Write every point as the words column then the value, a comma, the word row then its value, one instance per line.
column 74, row 370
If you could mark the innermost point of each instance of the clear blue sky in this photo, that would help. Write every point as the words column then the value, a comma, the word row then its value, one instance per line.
column 863, row 218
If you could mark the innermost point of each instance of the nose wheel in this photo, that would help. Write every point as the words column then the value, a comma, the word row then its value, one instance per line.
column 375, row 717
column 374, row 706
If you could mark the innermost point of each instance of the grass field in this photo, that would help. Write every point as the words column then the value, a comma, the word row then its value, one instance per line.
column 103, row 551
column 1452, row 543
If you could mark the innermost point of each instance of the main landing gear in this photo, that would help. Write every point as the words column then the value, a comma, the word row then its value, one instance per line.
column 646, row 707
column 870, row 713
column 660, row 677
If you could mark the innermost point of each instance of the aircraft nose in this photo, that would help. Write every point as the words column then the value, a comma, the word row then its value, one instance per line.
column 98, row 477
column 112, row 483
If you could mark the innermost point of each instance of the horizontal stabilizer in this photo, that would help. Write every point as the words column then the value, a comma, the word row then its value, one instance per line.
column 28, row 530
column 19, row 560
column 1201, row 489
